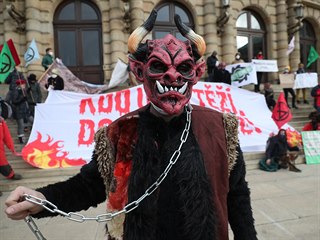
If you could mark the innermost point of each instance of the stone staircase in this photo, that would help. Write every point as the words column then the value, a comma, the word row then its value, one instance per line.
column 33, row 177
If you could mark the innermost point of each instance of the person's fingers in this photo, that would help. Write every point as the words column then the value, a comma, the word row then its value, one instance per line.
column 19, row 208
column 15, row 196
column 19, row 216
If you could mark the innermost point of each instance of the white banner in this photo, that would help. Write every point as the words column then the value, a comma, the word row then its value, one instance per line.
column 242, row 74
column 64, row 126
column 306, row 80
column 265, row 65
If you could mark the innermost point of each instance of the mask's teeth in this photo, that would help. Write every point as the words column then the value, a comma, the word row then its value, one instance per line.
column 160, row 88
column 171, row 89
column 176, row 89
column 166, row 89
column 183, row 89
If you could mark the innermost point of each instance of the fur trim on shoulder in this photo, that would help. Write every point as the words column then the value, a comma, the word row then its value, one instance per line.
column 231, row 128
column 105, row 158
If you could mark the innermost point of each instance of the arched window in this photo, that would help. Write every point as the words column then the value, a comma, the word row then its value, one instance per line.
column 307, row 39
column 77, row 34
column 165, row 20
column 250, row 35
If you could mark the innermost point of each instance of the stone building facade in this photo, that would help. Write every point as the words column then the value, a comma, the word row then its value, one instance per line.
column 90, row 36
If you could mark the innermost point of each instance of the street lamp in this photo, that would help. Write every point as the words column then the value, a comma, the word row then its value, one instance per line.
column 224, row 17
column 299, row 14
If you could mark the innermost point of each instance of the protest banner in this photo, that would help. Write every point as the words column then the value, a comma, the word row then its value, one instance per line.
column 265, row 65
column 64, row 126
column 305, row 80
column 286, row 80
column 311, row 148
column 242, row 74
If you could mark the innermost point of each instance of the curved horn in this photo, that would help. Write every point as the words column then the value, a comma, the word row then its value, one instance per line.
column 191, row 35
column 137, row 35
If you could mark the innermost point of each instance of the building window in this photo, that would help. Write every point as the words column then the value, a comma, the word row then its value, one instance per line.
column 165, row 20
column 77, row 34
column 250, row 35
column 307, row 39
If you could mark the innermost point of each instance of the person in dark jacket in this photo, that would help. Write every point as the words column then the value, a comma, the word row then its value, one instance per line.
column 269, row 95
column 11, row 80
column 277, row 154
column 34, row 94
column 22, row 111
column 315, row 93
column 172, row 176
column 222, row 75
column 55, row 82
column 212, row 64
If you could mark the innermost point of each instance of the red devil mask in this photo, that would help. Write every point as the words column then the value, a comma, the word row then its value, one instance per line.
column 168, row 67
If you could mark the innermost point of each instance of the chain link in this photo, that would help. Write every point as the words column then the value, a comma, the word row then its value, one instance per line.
column 76, row 217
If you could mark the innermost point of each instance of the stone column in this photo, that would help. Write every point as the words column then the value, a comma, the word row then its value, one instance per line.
column 117, row 36
column 137, row 13
column 33, row 31
column 210, row 27
column 282, row 35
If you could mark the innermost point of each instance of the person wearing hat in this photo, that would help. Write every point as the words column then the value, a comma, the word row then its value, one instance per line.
column 55, row 81
column 22, row 111
column 34, row 94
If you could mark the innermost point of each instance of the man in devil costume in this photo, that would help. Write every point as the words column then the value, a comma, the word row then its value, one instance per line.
column 168, row 170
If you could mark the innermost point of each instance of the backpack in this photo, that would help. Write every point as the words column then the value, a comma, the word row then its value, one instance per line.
column 5, row 109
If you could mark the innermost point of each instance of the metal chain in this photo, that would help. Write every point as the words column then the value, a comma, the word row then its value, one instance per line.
column 109, row 216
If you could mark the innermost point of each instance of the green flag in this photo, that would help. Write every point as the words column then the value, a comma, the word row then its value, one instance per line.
column 313, row 56
column 6, row 62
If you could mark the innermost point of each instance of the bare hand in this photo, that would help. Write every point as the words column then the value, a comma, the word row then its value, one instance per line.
column 268, row 161
column 17, row 208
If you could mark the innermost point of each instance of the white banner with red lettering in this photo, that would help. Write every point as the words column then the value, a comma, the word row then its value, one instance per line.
column 64, row 126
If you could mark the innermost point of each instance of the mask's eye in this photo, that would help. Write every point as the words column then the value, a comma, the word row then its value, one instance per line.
column 184, row 68
column 158, row 67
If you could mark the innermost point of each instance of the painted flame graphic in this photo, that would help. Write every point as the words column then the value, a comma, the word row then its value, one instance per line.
column 48, row 154
column 293, row 138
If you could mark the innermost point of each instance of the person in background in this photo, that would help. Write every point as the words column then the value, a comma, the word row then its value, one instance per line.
column 47, row 59
column 315, row 93
column 277, row 154
column 55, row 82
column 237, row 58
column 259, row 56
column 289, row 90
column 22, row 114
column 11, row 80
column 301, row 91
column 269, row 95
column 201, row 168
column 34, row 94
column 314, row 124
column 212, row 63
column 223, row 75
column 6, row 140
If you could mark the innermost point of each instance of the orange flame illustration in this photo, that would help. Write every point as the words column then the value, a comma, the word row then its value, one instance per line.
column 48, row 154
column 294, row 138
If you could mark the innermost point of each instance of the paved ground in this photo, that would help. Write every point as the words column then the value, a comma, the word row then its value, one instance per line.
column 286, row 206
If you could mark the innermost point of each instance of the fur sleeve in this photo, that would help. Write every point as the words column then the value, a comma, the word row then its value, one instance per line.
column 105, row 153
column 231, row 128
